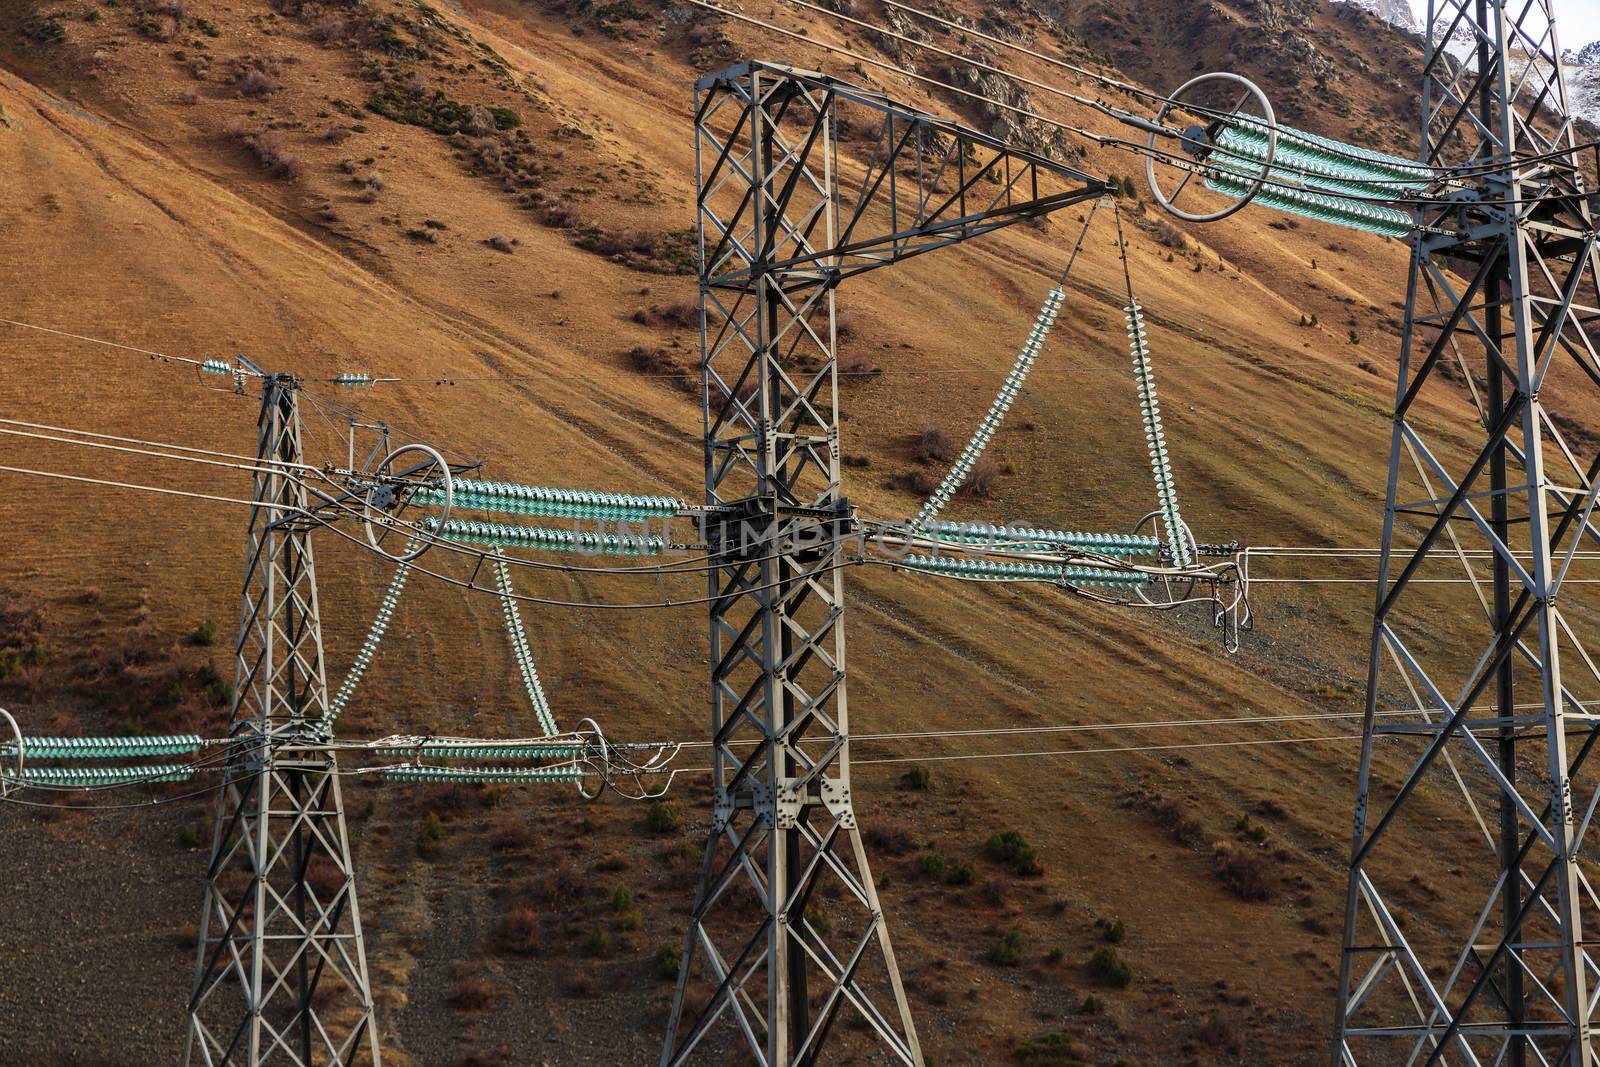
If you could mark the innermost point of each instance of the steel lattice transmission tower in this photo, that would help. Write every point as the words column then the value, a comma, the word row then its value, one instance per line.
column 786, row 918
column 282, row 972
column 1500, row 307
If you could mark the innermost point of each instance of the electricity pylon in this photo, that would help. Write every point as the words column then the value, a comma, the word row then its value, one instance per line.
column 1499, row 309
column 282, row 971
column 786, row 917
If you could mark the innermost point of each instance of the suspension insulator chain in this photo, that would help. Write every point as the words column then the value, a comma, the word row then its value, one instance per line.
column 957, row 475
column 1155, row 437
column 520, row 650
column 369, row 647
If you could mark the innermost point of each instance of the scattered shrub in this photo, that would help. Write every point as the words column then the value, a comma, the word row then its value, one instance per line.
column 1056, row 955
column 1244, row 872
column 933, row 865
column 1054, row 1049
column 257, row 83
column 622, row 899
column 1108, row 966
column 472, row 992
column 891, row 836
column 271, row 150
column 425, row 236
column 510, row 834
column 518, row 931
column 599, row 941
column 331, row 29
column 1113, row 931
column 1006, row 952
column 562, row 215
column 668, row 961
column 430, row 839
column 1012, row 849
column 981, row 481
column 684, row 313
column 934, row 444
column 479, row 121
column 653, row 359
column 501, row 243
column 1172, row 816
column 961, row 873
column 1090, row 1005
column 662, row 818
column 918, row 777
column 1168, row 235
column 629, row 920
column 856, row 366
column 916, row 481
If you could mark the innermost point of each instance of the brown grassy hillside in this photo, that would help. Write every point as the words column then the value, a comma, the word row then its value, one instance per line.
column 299, row 182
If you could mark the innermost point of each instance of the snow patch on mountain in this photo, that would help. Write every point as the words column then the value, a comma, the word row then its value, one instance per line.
column 1394, row 12
column 1581, row 67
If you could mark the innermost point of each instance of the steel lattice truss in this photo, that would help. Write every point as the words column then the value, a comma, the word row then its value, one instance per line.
column 282, row 972
column 786, row 923
column 1501, row 299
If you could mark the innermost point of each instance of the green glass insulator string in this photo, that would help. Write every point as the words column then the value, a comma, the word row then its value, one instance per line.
column 1026, row 538
column 369, row 646
column 498, row 750
column 991, row 570
column 520, row 650
column 547, row 538
column 483, row 775
column 989, row 425
column 1150, row 415
column 544, row 501
column 1316, row 177
column 92, row 748
column 103, row 776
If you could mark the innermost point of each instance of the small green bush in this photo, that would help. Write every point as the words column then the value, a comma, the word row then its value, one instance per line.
column 430, row 839
column 1050, row 1050
column 205, row 634
column 918, row 777
column 1113, row 931
column 1012, row 849
column 662, row 818
column 1006, row 952
column 622, row 899
column 1090, row 1005
column 961, row 873
column 599, row 942
column 631, row 919
column 1057, row 954
column 933, row 865
column 668, row 961
column 1109, row 967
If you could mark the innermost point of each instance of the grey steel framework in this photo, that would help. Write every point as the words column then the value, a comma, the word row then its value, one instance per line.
column 786, row 929
column 1499, row 309
column 282, row 972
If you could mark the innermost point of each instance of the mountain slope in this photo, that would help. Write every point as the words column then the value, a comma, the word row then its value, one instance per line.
column 148, row 202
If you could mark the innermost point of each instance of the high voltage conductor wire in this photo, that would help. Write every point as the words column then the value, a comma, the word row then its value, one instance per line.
column 1333, row 149
column 1107, row 140
column 1155, row 97
column 114, row 344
